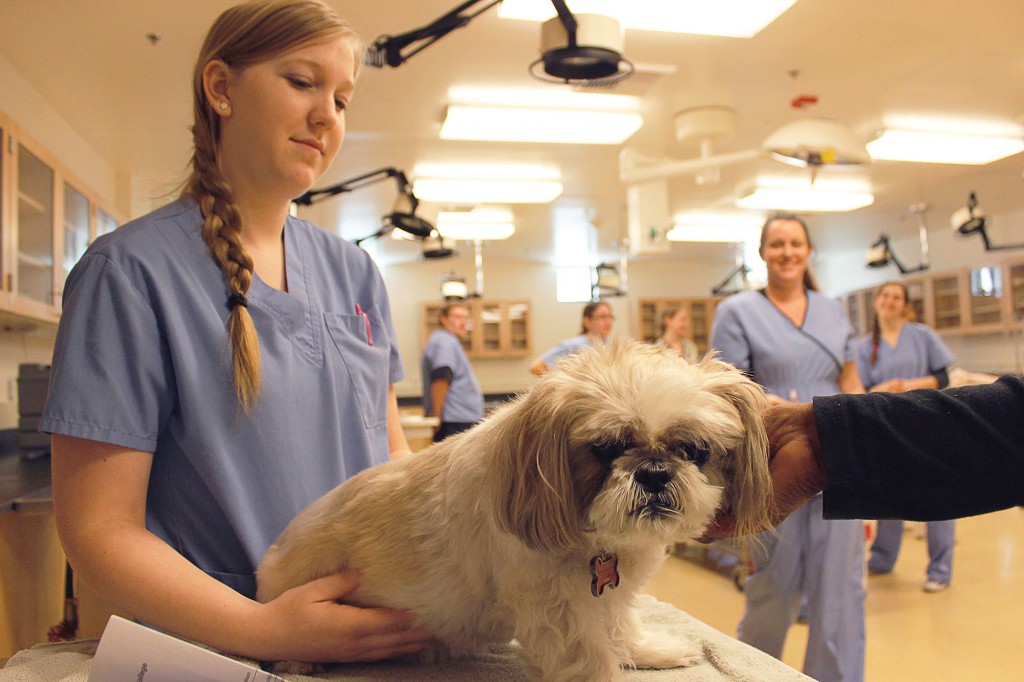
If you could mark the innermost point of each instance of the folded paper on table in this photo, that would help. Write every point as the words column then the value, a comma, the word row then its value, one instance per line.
column 129, row 651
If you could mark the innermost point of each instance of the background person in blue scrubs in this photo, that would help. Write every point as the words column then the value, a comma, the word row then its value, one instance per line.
column 799, row 344
column 450, row 389
column 596, row 327
column 675, row 334
column 900, row 355
column 220, row 365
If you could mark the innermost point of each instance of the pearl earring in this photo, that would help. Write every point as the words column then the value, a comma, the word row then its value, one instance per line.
column 223, row 106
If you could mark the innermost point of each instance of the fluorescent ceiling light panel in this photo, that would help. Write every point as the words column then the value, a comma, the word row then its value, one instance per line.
column 731, row 18
column 543, row 97
column 715, row 227
column 468, row 191
column 520, row 124
column 487, row 171
column 480, row 223
column 806, row 199
column 925, row 146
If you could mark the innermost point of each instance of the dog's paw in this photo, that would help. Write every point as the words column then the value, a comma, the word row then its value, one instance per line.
column 664, row 651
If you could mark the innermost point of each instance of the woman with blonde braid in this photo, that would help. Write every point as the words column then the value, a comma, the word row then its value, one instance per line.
column 901, row 355
column 220, row 365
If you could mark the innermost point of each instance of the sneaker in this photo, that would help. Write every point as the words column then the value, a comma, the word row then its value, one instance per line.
column 935, row 585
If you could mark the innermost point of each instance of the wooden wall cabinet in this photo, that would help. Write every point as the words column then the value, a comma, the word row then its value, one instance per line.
column 702, row 314
column 496, row 329
column 976, row 300
column 47, row 218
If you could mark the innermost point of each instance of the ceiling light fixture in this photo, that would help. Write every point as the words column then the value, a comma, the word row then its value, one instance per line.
column 813, row 199
column 523, row 124
column 880, row 253
column 925, row 146
column 813, row 143
column 481, row 183
column 576, row 49
column 971, row 219
column 581, row 48
column 731, row 18
column 716, row 227
column 480, row 223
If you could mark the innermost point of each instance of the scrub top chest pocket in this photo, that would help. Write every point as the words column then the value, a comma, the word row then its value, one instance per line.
column 366, row 363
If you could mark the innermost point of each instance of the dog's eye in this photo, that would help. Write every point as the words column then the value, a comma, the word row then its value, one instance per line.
column 692, row 452
column 606, row 453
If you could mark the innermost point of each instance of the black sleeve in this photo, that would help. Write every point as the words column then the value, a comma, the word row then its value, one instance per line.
column 941, row 376
column 923, row 455
column 442, row 374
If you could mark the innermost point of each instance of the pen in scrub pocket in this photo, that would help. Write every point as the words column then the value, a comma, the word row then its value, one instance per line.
column 360, row 313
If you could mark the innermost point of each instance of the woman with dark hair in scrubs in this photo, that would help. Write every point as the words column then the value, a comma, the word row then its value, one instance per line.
column 900, row 355
column 799, row 344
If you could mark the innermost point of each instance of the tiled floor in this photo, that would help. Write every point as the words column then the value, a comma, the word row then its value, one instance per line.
column 972, row 631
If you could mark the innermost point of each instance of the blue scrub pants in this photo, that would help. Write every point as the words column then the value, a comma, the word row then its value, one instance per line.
column 823, row 560
column 941, row 537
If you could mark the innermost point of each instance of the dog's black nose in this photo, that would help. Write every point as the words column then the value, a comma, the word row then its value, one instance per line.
column 653, row 476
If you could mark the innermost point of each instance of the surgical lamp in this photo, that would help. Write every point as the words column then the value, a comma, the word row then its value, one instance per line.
column 812, row 143
column 970, row 219
column 403, row 212
column 571, row 53
column 880, row 253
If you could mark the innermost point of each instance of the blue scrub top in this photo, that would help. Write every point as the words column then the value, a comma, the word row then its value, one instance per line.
column 142, row 360
column 464, row 401
column 566, row 348
column 919, row 352
column 795, row 363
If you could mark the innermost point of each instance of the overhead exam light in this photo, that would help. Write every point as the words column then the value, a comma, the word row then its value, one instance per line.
column 583, row 48
column 576, row 49
column 970, row 219
column 881, row 254
column 403, row 212
column 453, row 287
column 812, row 143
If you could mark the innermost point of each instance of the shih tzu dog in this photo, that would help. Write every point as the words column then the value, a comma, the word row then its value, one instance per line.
column 543, row 522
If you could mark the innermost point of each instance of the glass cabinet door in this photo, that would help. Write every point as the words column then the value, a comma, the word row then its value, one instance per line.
column 519, row 327
column 1016, row 283
column 986, row 296
column 946, row 292
column 35, row 228
column 76, row 226
column 490, row 328
column 104, row 223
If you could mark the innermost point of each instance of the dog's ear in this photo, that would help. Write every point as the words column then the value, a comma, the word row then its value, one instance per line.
column 529, row 475
column 748, row 485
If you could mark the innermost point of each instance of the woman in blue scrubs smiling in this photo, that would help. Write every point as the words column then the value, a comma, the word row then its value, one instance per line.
column 220, row 365
column 799, row 344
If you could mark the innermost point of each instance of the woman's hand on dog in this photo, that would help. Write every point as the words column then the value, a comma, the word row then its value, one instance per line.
column 313, row 623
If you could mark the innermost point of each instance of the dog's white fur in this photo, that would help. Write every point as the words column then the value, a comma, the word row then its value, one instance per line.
column 489, row 535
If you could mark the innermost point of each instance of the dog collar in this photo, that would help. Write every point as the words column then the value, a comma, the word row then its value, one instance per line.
column 604, row 572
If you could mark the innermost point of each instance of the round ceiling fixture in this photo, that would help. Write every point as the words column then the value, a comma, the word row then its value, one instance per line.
column 433, row 247
column 591, row 54
column 817, row 142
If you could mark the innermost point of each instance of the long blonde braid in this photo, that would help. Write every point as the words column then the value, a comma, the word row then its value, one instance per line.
column 241, row 36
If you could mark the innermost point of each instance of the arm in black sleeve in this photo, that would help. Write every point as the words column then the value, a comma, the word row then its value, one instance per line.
column 923, row 455
column 941, row 376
